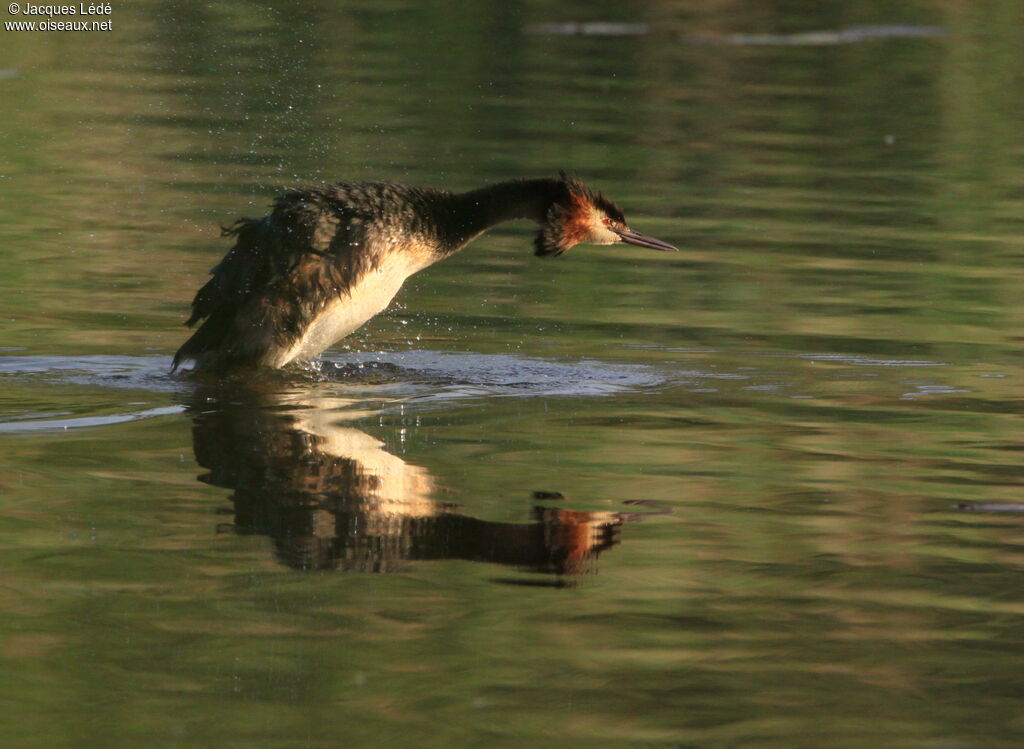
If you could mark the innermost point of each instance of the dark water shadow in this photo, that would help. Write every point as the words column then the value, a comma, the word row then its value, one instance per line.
column 331, row 497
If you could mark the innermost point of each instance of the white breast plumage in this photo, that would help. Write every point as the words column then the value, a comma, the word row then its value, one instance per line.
column 367, row 297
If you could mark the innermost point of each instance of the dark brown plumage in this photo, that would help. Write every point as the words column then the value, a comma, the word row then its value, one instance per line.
column 327, row 259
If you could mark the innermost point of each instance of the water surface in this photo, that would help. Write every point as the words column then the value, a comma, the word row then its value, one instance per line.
column 761, row 493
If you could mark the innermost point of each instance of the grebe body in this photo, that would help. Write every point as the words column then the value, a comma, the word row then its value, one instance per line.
column 327, row 259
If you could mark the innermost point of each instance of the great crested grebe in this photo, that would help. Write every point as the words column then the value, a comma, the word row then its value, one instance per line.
column 327, row 259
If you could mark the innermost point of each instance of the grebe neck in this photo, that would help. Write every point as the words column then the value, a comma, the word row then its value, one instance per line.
column 476, row 211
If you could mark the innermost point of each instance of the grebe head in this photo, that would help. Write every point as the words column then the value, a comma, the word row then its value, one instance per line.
column 585, row 216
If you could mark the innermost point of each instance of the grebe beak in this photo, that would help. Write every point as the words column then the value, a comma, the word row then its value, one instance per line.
column 642, row 240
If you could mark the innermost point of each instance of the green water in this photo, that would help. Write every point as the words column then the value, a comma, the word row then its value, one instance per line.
column 760, row 493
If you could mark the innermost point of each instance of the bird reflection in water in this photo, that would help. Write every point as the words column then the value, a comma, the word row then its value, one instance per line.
column 332, row 497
